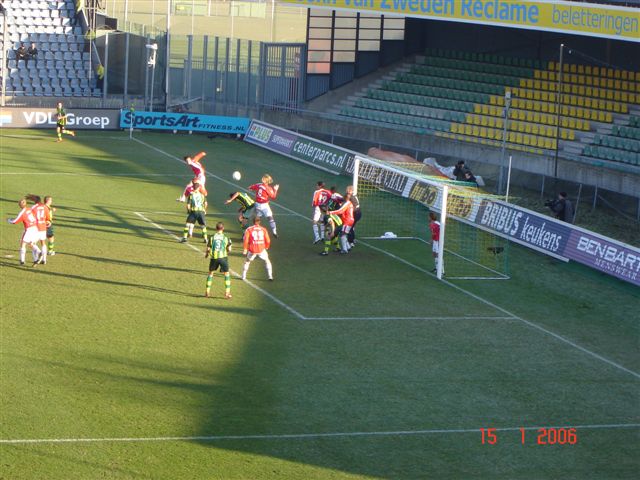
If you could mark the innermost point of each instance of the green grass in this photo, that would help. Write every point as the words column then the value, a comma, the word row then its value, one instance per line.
column 113, row 339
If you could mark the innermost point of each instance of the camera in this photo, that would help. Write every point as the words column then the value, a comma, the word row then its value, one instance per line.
column 549, row 203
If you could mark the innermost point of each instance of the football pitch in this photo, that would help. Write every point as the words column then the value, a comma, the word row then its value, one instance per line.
column 114, row 365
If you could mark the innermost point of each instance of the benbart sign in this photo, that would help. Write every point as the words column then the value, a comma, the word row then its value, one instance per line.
column 579, row 18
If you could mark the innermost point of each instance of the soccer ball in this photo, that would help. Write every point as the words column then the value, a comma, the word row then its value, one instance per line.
column 237, row 175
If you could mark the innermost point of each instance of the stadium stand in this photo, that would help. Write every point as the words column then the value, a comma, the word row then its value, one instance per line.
column 63, row 66
column 461, row 95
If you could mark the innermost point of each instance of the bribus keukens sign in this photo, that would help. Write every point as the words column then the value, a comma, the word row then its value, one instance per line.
column 192, row 122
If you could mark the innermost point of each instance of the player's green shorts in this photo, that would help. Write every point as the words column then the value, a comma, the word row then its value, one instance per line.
column 50, row 231
column 194, row 217
column 222, row 263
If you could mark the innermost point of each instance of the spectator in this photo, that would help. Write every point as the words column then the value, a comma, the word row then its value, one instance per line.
column 21, row 53
column 470, row 178
column 100, row 77
column 562, row 207
column 32, row 52
column 459, row 171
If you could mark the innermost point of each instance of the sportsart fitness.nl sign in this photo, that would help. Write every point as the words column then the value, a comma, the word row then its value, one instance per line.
column 77, row 118
column 299, row 147
column 191, row 122
column 533, row 230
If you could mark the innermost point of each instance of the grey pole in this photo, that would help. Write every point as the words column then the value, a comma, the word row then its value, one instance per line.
column 126, row 69
column 3, row 70
column 168, row 58
column 558, row 113
column 106, row 69
column 507, row 106
column 146, row 77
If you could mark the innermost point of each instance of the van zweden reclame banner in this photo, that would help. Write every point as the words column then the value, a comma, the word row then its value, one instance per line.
column 540, row 232
column 579, row 18
column 77, row 118
column 193, row 122
column 299, row 147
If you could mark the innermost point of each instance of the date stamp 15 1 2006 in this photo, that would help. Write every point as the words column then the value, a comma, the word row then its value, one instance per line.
column 543, row 436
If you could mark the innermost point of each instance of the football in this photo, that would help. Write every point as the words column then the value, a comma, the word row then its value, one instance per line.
column 237, row 175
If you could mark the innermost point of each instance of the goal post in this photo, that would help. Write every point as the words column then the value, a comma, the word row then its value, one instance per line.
column 396, row 200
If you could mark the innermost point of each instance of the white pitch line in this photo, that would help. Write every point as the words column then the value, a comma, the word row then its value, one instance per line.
column 78, row 174
column 248, row 282
column 290, row 436
column 216, row 214
column 410, row 318
column 460, row 289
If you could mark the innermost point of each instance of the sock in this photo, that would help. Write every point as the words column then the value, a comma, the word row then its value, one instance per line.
column 204, row 232
column 191, row 229
column 272, row 224
column 68, row 132
column 245, row 269
column 59, row 135
column 44, row 253
column 269, row 268
column 51, row 245
column 327, row 245
column 185, row 232
column 209, row 280
column 227, row 283
column 316, row 232
column 334, row 242
column 35, row 251
column 322, row 234
column 23, row 253
column 343, row 243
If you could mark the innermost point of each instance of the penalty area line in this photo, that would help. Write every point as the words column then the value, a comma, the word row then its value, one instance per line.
column 452, row 285
column 411, row 318
column 235, row 274
column 302, row 436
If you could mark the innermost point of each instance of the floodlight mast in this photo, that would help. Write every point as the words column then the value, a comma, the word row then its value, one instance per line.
column 151, row 62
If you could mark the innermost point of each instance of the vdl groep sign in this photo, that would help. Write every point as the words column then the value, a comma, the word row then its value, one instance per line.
column 77, row 118
column 183, row 122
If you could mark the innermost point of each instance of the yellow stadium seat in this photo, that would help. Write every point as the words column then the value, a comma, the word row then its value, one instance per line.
column 483, row 132
column 499, row 123
column 587, row 125
column 581, row 69
column 537, row 73
column 589, row 81
column 587, row 69
column 535, row 129
column 552, row 66
column 526, row 139
column 563, row 134
column 491, row 133
column 565, row 68
column 476, row 131
column 624, row 75
column 468, row 130
column 573, row 68
column 616, row 74
column 610, row 72
column 519, row 137
column 484, row 110
column 477, row 108
column 454, row 128
column 498, row 134
column 572, row 135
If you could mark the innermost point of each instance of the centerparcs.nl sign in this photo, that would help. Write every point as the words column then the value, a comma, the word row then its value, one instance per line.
column 324, row 156
column 534, row 230
column 193, row 122
column 596, row 20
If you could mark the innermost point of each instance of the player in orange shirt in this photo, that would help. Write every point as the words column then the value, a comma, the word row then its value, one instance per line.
column 255, row 244
column 30, row 235
column 434, row 227
column 40, row 211
column 321, row 197
column 345, row 212
column 264, row 193
column 200, row 175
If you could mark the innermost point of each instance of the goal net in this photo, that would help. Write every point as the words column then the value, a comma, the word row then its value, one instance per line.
column 396, row 200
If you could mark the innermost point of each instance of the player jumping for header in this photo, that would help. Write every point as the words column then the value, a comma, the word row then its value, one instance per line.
column 196, row 211
column 200, row 175
column 264, row 193
column 247, row 207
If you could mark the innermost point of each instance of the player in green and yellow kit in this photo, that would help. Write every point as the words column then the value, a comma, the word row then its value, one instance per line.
column 196, row 210
column 247, row 207
column 61, row 123
column 218, row 249
column 332, row 231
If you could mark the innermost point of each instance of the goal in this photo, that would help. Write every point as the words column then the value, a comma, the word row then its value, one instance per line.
column 396, row 199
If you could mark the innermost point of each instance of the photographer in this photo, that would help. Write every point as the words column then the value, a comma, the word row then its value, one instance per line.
column 562, row 207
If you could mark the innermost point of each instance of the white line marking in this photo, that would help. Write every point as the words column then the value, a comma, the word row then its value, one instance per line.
column 226, row 214
column 460, row 289
column 248, row 282
column 289, row 436
column 77, row 174
column 410, row 318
